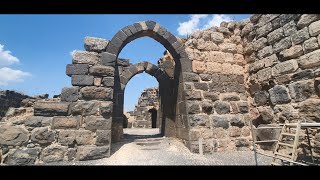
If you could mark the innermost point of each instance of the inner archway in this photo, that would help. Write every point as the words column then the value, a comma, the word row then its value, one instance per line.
column 172, row 111
column 153, row 113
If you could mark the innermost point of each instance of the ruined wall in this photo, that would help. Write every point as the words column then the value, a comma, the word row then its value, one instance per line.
column 217, row 104
column 147, row 102
column 10, row 99
column 77, row 127
column 283, row 56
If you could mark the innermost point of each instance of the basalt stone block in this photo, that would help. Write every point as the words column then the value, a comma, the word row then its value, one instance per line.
column 190, row 77
column 85, row 108
column 151, row 69
column 211, row 96
column 106, row 108
column 84, row 137
column 285, row 67
column 282, row 44
column 96, row 93
column 13, row 135
column 108, row 81
column 193, row 107
column 207, row 107
column 26, row 156
column 300, row 36
column 42, row 136
column 222, row 107
column 103, row 137
column 67, row 137
column 102, row 70
column 70, row 94
column 51, row 109
column 94, row 123
column 82, row 80
column 192, row 95
column 310, row 109
column 307, row 19
column 199, row 120
column 37, row 121
column 65, row 122
column 301, row 90
column 236, row 121
column 304, row 74
column 92, row 152
column 108, row 59
column 220, row 121
column 310, row 60
column 279, row 95
column 243, row 106
column 123, row 62
column 53, row 153
column 77, row 69
column 261, row 98
column 201, row 86
column 230, row 97
column 95, row 44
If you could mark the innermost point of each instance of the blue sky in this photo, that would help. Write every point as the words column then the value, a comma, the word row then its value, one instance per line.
column 35, row 49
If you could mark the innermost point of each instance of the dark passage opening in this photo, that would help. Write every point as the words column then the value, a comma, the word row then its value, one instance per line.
column 153, row 112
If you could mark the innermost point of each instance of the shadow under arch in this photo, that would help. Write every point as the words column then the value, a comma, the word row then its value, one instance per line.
column 173, row 112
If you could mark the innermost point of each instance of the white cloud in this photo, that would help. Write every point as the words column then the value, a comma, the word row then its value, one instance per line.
column 198, row 22
column 188, row 27
column 6, row 58
column 11, row 75
column 216, row 20
column 72, row 52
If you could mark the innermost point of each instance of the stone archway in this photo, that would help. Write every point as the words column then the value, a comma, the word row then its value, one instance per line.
column 172, row 102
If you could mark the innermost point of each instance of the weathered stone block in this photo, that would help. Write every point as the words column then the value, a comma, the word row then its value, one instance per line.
column 103, row 137
column 211, row 96
column 102, row 70
column 193, row 107
column 289, row 28
column 201, row 86
column 83, row 57
column 222, row 107
column 42, row 136
column 85, row 108
column 228, row 48
column 207, row 107
column 192, row 95
column 264, row 30
column 275, row 36
column 217, row 37
column 13, row 135
column 260, row 43
column 301, row 90
column 92, row 152
column 282, row 44
column 77, row 69
column 108, row 59
column 53, row 153
column 266, row 114
column 264, row 74
column 300, row 36
column 266, row 51
column 97, row 81
column 230, row 97
column 93, row 123
column 314, row 28
column 285, row 18
column 37, row 121
column 293, row 52
column 84, row 137
column 285, row 67
column 234, row 132
column 220, row 121
column 199, row 120
column 108, row 81
column 261, row 98
column 106, row 109
column 70, row 94
column 310, row 45
column 279, row 95
column 81, row 80
column 310, row 109
column 23, row 157
column 303, row 74
column 236, row 121
column 242, row 142
column 307, row 19
column 67, row 137
column 95, row 44
column 96, row 93
column 310, row 60
column 198, row 66
column 65, row 122
column 243, row 106
column 51, row 108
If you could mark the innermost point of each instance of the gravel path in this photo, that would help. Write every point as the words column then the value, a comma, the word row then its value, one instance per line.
column 134, row 150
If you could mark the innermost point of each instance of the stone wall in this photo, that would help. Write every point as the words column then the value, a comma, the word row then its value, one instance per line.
column 218, row 105
column 283, row 63
column 148, row 103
